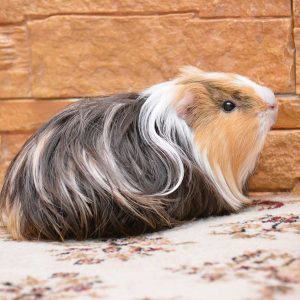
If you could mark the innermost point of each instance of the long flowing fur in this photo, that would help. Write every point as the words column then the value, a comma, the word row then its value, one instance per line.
column 106, row 167
column 113, row 166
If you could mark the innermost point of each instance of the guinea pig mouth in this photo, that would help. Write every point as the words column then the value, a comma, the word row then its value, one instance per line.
column 268, row 119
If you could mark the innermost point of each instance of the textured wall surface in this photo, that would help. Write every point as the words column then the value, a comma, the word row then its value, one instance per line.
column 53, row 51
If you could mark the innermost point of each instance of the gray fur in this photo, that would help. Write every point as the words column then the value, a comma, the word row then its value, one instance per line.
column 92, row 172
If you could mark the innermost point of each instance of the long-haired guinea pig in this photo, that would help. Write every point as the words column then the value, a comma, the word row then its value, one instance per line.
column 139, row 162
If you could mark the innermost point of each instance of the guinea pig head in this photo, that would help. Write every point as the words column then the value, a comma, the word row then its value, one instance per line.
column 230, row 116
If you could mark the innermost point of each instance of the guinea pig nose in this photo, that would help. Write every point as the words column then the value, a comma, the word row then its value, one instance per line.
column 273, row 106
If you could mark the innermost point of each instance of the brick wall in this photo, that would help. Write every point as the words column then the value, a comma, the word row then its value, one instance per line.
column 53, row 51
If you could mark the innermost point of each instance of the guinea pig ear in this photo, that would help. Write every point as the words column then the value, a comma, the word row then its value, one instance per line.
column 184, row 107
column 191, row 71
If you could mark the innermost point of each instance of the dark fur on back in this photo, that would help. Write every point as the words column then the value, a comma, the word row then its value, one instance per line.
column 91, row 172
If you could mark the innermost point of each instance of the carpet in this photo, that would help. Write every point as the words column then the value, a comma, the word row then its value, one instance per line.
column 252, row 255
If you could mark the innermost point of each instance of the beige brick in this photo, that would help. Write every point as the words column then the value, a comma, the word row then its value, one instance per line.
column 10, row 144
column 104, row 55
column 289, row 112
column 297, row 45
column 14, row 62
column 27, row 115
column 279, row 165
column 296, row 9
column 16, row 10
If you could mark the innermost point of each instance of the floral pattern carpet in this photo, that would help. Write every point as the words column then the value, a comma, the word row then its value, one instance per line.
column 252, row 255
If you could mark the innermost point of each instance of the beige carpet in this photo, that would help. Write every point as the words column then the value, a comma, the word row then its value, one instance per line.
column 251, row 255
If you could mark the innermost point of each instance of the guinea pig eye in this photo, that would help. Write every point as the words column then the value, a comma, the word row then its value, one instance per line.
column 228, row 106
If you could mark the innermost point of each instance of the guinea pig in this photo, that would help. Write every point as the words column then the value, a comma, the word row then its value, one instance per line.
column 139, row 162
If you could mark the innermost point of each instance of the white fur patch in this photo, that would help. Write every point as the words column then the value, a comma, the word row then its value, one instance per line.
column 157, row 111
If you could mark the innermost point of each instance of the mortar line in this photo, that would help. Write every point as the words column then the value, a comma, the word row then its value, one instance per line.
column 196, row 14
column 295, row 49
